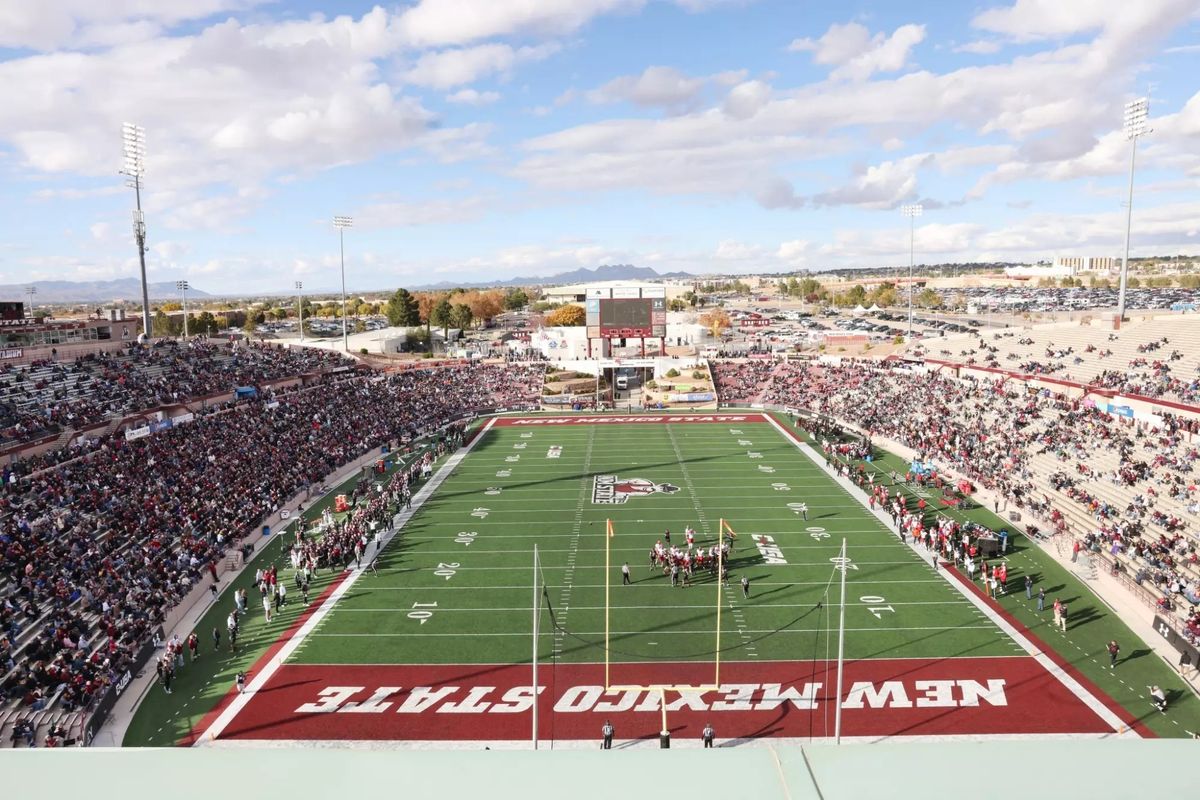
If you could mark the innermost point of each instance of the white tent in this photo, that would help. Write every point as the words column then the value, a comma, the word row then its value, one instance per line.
column 874, row 308
column 859, row 310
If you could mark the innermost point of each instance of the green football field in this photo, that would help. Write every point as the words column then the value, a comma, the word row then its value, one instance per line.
column 457, row 588
column 443, row 626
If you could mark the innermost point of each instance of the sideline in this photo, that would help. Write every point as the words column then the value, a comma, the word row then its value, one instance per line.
column 264, row 672
column 1101, row 709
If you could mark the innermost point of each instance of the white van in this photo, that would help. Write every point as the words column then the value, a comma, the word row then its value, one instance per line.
column 622, row 382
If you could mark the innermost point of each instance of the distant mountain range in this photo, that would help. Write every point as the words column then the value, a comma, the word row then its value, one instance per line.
column 606, row 272
column 93, row 291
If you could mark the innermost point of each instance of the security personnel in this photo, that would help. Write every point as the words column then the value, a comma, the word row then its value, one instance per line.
column 607, row 733
column 707, row 734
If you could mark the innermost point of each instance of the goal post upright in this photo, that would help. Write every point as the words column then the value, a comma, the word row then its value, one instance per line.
column 720, row 600
column 608, row 534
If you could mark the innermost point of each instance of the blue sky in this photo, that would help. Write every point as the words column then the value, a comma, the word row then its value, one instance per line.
column 473, row 139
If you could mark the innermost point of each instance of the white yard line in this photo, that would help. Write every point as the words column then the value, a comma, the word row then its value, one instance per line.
column 1072, row 685
column 263, row 675
column 564, row 598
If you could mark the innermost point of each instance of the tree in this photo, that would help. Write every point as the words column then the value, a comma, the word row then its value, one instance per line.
column 515, row 300
column 677, row 304
column 461, row 316
column 206, row 323
column 250, row 327
column 162, row 325
column 928, row 298
column 568, row 316
column 484, row 305
column 402, row 310
column 173, row 305
column 716, row 322
column 365, row 309
column 440, row 316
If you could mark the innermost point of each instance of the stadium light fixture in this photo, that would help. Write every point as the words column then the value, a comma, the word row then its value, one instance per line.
column 1137, row 113
column 182, row 286
column 912, row 211
column 31, row 290
column 300, row 306
column 341, row 223
column 134, row 170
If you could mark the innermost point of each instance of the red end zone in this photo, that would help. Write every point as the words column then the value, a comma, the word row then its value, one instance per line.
column 642, row 419
column 901, row 697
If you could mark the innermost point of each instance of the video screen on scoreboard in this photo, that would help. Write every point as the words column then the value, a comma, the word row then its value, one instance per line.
column 626, row 313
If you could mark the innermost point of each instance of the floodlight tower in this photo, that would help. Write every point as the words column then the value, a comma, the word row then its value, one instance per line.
column 912, row 212
column 1136, row 113
column 300, row 306
column 31, row 290
column 134, row 138
column 182, row 286
column 341, row 223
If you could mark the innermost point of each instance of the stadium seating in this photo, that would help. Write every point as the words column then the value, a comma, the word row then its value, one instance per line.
column 50, row 396
column 1157, row 357
column 1120, row 488
column 95, row 552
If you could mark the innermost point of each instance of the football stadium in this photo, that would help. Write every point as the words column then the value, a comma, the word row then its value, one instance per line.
column 599, row 397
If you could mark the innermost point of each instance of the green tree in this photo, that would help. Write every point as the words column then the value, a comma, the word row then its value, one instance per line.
column 251, row 326
column 162, row 325
column 440, row 316
column 516, row 300
column 928, row 298
column 461, row 316
column 402, row 310
column 205, row 323
column 677, row 304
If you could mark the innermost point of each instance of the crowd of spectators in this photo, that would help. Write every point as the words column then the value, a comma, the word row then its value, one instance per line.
column 95, row 552
column 990, row 431
column 742, row 380
column 47, row 396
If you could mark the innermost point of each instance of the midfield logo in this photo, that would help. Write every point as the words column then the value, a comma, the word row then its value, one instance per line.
column 612, row 490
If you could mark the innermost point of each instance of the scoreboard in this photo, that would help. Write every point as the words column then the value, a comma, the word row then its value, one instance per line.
column 632, row 313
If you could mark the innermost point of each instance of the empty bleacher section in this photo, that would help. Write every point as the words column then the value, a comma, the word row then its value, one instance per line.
column 1157, row 357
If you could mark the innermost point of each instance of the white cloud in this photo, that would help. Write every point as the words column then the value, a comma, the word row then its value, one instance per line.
column 48, row 24
column 260, row 99
column 416, row 213
column 746, row 99
column 981, row 47
column 1027, row 20
column 656, row 87
column 99, row 231
column 856, row 54
column 448, row 68
column 433, row 23
column 472, row 97
column 778, row 193
column 883, row 185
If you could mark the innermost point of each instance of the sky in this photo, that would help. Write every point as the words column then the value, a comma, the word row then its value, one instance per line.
column 486, row 139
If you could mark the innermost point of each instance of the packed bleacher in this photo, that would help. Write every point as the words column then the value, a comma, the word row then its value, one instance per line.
column 742, row 380
column 97, row 550
column 48, row 396
column 1125, row 489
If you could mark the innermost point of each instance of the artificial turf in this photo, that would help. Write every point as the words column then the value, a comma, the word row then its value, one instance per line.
column 470, row 551
column 455, row 586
